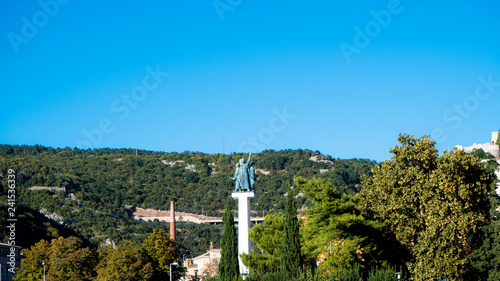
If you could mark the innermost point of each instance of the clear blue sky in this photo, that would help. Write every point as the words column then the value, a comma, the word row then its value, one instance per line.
column 344, row 79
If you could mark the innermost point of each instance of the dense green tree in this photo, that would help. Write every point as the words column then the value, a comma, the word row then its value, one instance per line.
column 69, row 261
column 268, row 237
column 64, row 259
column 291, row 259
column 124, row 263
column 433, row 205
column 229, row 267
column 194, row 239
column 485, row 261
column 159, row 250
column 481, row 154
column 32, row 264
column 99, row 182
column 337, row 235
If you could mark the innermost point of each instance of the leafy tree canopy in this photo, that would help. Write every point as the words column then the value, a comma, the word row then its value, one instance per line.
column 337, row 235
column 160, row 251
column 433, row 204
column 481, row 154
column 124, row 263
column 67, row 259
column 64, row 259
column 268, row 237
column 100, row 182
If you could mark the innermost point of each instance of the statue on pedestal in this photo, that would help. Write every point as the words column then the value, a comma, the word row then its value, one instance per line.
column 244, row 175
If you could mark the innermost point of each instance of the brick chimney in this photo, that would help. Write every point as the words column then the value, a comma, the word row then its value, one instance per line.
column 172, row 221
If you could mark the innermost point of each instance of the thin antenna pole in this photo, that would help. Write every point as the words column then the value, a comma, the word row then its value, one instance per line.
column 223, row 145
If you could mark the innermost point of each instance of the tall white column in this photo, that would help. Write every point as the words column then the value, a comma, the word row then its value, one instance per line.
column 244, row 245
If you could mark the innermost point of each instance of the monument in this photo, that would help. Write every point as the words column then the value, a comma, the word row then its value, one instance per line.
column 244, row 177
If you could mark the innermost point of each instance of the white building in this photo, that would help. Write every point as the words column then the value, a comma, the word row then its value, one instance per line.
column 203, row 266
column 490, row 147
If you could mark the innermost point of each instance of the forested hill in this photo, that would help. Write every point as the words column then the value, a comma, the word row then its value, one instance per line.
column 99, row 182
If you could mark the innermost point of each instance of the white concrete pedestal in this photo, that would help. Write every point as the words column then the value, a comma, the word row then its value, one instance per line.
column 244, row 245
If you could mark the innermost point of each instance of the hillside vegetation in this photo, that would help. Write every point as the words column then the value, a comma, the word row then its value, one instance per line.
column 100, row 182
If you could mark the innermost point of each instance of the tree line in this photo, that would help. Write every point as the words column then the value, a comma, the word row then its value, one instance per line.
column 67, row 259
column 428, row 216
column 99, row 182
column 422, row 215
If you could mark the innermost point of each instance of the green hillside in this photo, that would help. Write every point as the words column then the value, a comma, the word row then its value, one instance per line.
column 99, row 182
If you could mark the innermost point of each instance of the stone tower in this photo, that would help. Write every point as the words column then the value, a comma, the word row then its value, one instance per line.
column 494, row 137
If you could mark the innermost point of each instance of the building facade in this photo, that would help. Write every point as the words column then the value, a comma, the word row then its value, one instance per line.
column 203, row 266
column 10, row 259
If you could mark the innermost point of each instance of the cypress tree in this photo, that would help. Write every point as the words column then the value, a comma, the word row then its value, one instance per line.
column 291, row 264
column 229, row 267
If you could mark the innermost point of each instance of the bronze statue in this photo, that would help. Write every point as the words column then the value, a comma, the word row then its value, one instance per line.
column 244, row 175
